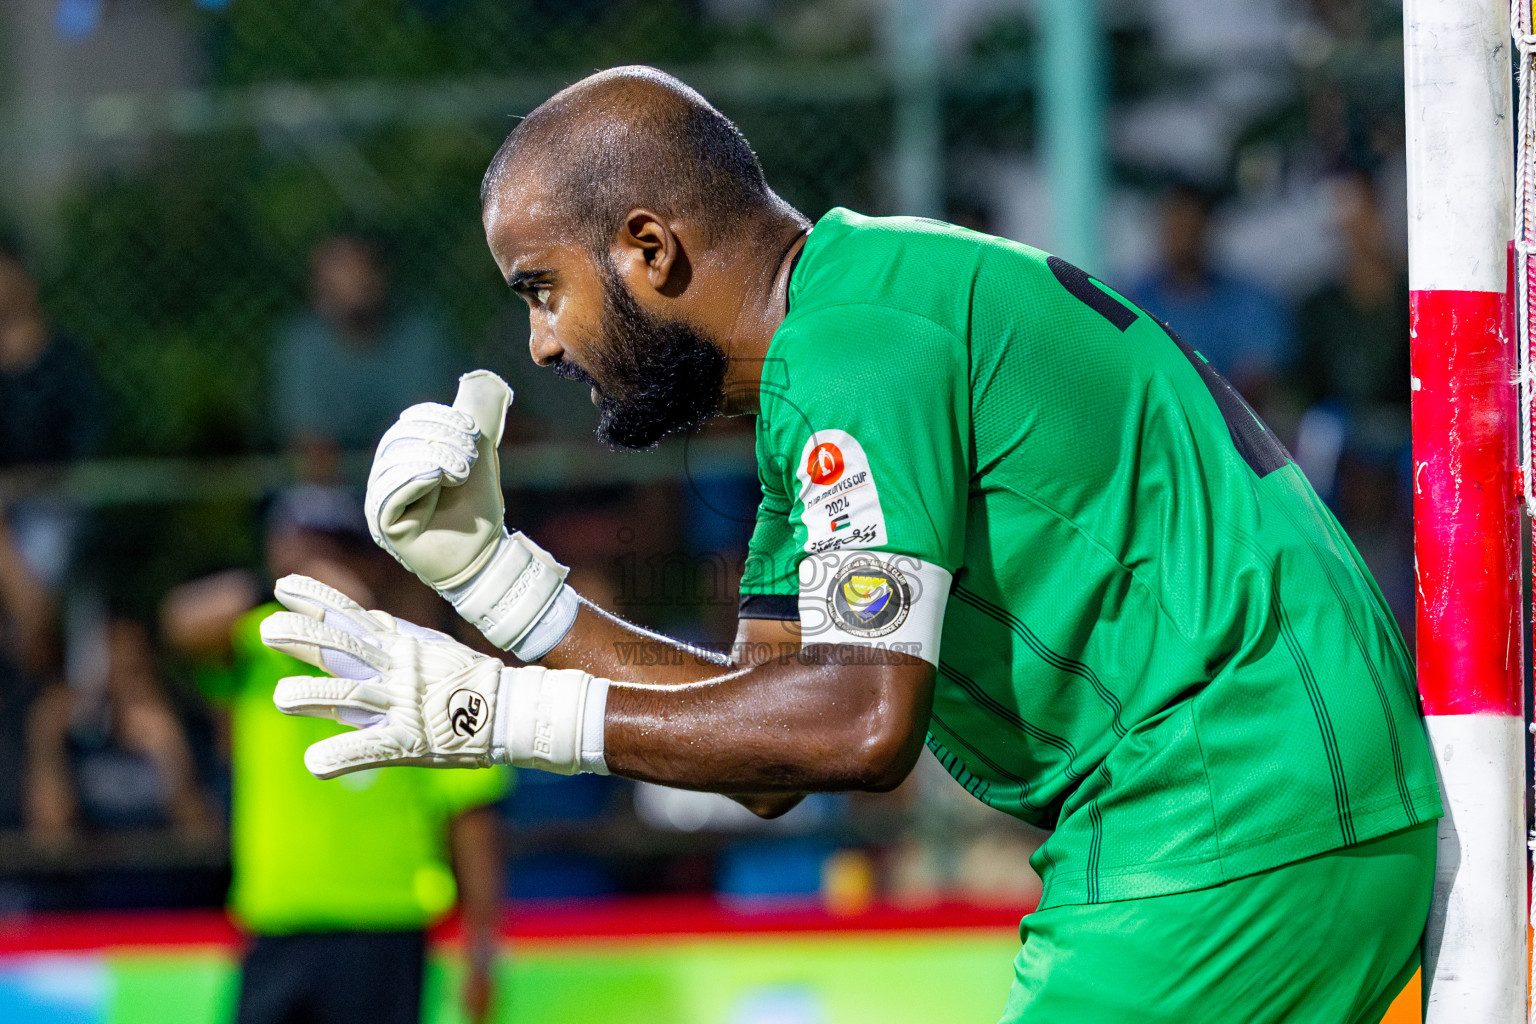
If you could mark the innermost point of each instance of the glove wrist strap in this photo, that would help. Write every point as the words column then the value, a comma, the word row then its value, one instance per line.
column 594, row 728
column 551, row 626
column 507, row 598
column 551, row 719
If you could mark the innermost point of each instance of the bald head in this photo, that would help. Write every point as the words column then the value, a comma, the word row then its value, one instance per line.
column 628, row 138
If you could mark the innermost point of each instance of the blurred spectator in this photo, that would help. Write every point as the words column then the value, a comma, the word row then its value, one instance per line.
column 118, row 758
column 27, row 655
column 28, row 640
column 717, row 513
column 1353, row 332
column 337, row 879
column 1352, row 369
column 344, row 368
column 1236, row 324
column 50, row 408
column 50, row 412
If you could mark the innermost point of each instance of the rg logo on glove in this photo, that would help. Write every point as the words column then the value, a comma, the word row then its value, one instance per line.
column 465, row 708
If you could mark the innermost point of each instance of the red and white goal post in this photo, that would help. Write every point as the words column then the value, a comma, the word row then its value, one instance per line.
column 1472, row 417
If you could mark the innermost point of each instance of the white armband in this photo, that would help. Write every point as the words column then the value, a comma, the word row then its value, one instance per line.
column 873, row 599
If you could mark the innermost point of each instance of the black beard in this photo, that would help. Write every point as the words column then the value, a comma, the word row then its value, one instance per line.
column 658, row 376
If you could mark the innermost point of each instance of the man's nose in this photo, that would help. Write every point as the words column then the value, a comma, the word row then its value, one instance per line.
column 543, row 347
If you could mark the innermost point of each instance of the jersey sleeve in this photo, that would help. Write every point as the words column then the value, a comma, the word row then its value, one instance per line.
column 770, row 583
column 863, row 457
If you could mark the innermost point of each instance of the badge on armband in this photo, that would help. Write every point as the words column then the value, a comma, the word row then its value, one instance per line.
column 868, row 598
column 873, row 599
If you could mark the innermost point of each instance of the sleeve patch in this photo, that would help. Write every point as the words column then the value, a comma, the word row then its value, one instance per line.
column 839, row 502
column 874, row 599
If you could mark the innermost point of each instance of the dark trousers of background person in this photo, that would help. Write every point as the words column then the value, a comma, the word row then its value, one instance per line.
column 333, row 978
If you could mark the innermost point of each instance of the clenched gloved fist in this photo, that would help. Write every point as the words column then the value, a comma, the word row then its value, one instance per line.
column 419, row 697
column 434, row 503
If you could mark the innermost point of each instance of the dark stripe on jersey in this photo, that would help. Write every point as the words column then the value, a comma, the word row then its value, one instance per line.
column 784, row 607
column 1050, row 657
column 974, row 690
column 1023, row 783
column 1237, row 536
column 1095, row 848
column 1086, row 290
column 1410, row 672
column 1314, row 692
column 1387, row 621
column 1255, row 442
column 1095, row 840
column 951, row 763
column 1370, row 664
column 1324, row 724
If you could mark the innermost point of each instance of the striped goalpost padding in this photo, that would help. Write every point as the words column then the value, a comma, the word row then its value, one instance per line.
column 1523, row 297
column 1466, row 454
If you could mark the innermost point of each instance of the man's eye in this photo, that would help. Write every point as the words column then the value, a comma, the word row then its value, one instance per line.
column 541, row 295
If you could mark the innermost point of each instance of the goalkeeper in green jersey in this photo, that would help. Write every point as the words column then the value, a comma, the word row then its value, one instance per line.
column 1005, row 513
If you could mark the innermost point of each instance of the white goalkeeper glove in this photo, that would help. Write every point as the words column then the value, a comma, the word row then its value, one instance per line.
column 419, row 697
column 434, row 503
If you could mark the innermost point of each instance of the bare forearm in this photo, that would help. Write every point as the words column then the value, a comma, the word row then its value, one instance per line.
column 20, row 593
column 476, row 840
column 602, row 644
column 477, row 868
column 27, row 602
column 607, row 646
column 765, row 732
column 196, row 617
column 774, row 729
column 50, row 793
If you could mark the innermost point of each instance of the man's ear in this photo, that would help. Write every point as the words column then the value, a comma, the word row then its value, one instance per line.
column 649, row 252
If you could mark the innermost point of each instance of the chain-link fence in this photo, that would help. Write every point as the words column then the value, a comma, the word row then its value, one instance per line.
column 179, row 241
column 180, row 234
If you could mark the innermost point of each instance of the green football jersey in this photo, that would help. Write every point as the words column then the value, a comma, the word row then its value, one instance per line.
column 1157, row 641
